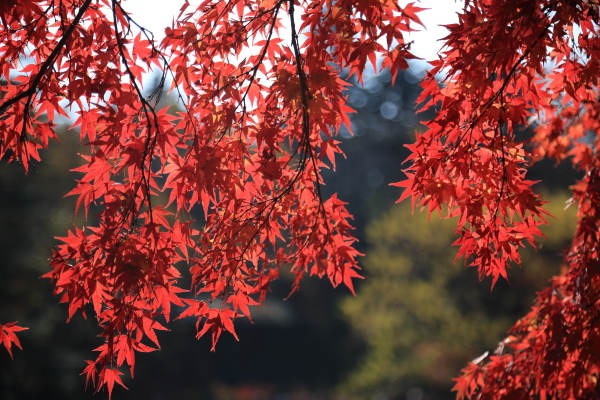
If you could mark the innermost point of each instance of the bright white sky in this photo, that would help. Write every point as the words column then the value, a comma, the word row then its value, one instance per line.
column 155, row 15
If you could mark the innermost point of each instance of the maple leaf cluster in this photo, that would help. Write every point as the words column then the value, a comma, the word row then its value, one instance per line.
column 510, row 63
column 262, row 101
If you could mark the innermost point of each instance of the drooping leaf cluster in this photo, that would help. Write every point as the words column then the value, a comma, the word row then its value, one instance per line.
column 258, row 82
column 511, row 64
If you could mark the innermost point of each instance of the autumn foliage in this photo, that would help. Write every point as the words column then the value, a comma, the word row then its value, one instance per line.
column 261, row 98
column 261, row 105
column 510, row 65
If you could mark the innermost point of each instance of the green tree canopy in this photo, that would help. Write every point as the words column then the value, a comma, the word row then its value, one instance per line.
column 422, row 315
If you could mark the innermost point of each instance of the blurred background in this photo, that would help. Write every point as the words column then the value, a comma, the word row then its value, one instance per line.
column 416, row 320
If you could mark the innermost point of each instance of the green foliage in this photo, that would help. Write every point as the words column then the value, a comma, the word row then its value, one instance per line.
column 423, row 316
